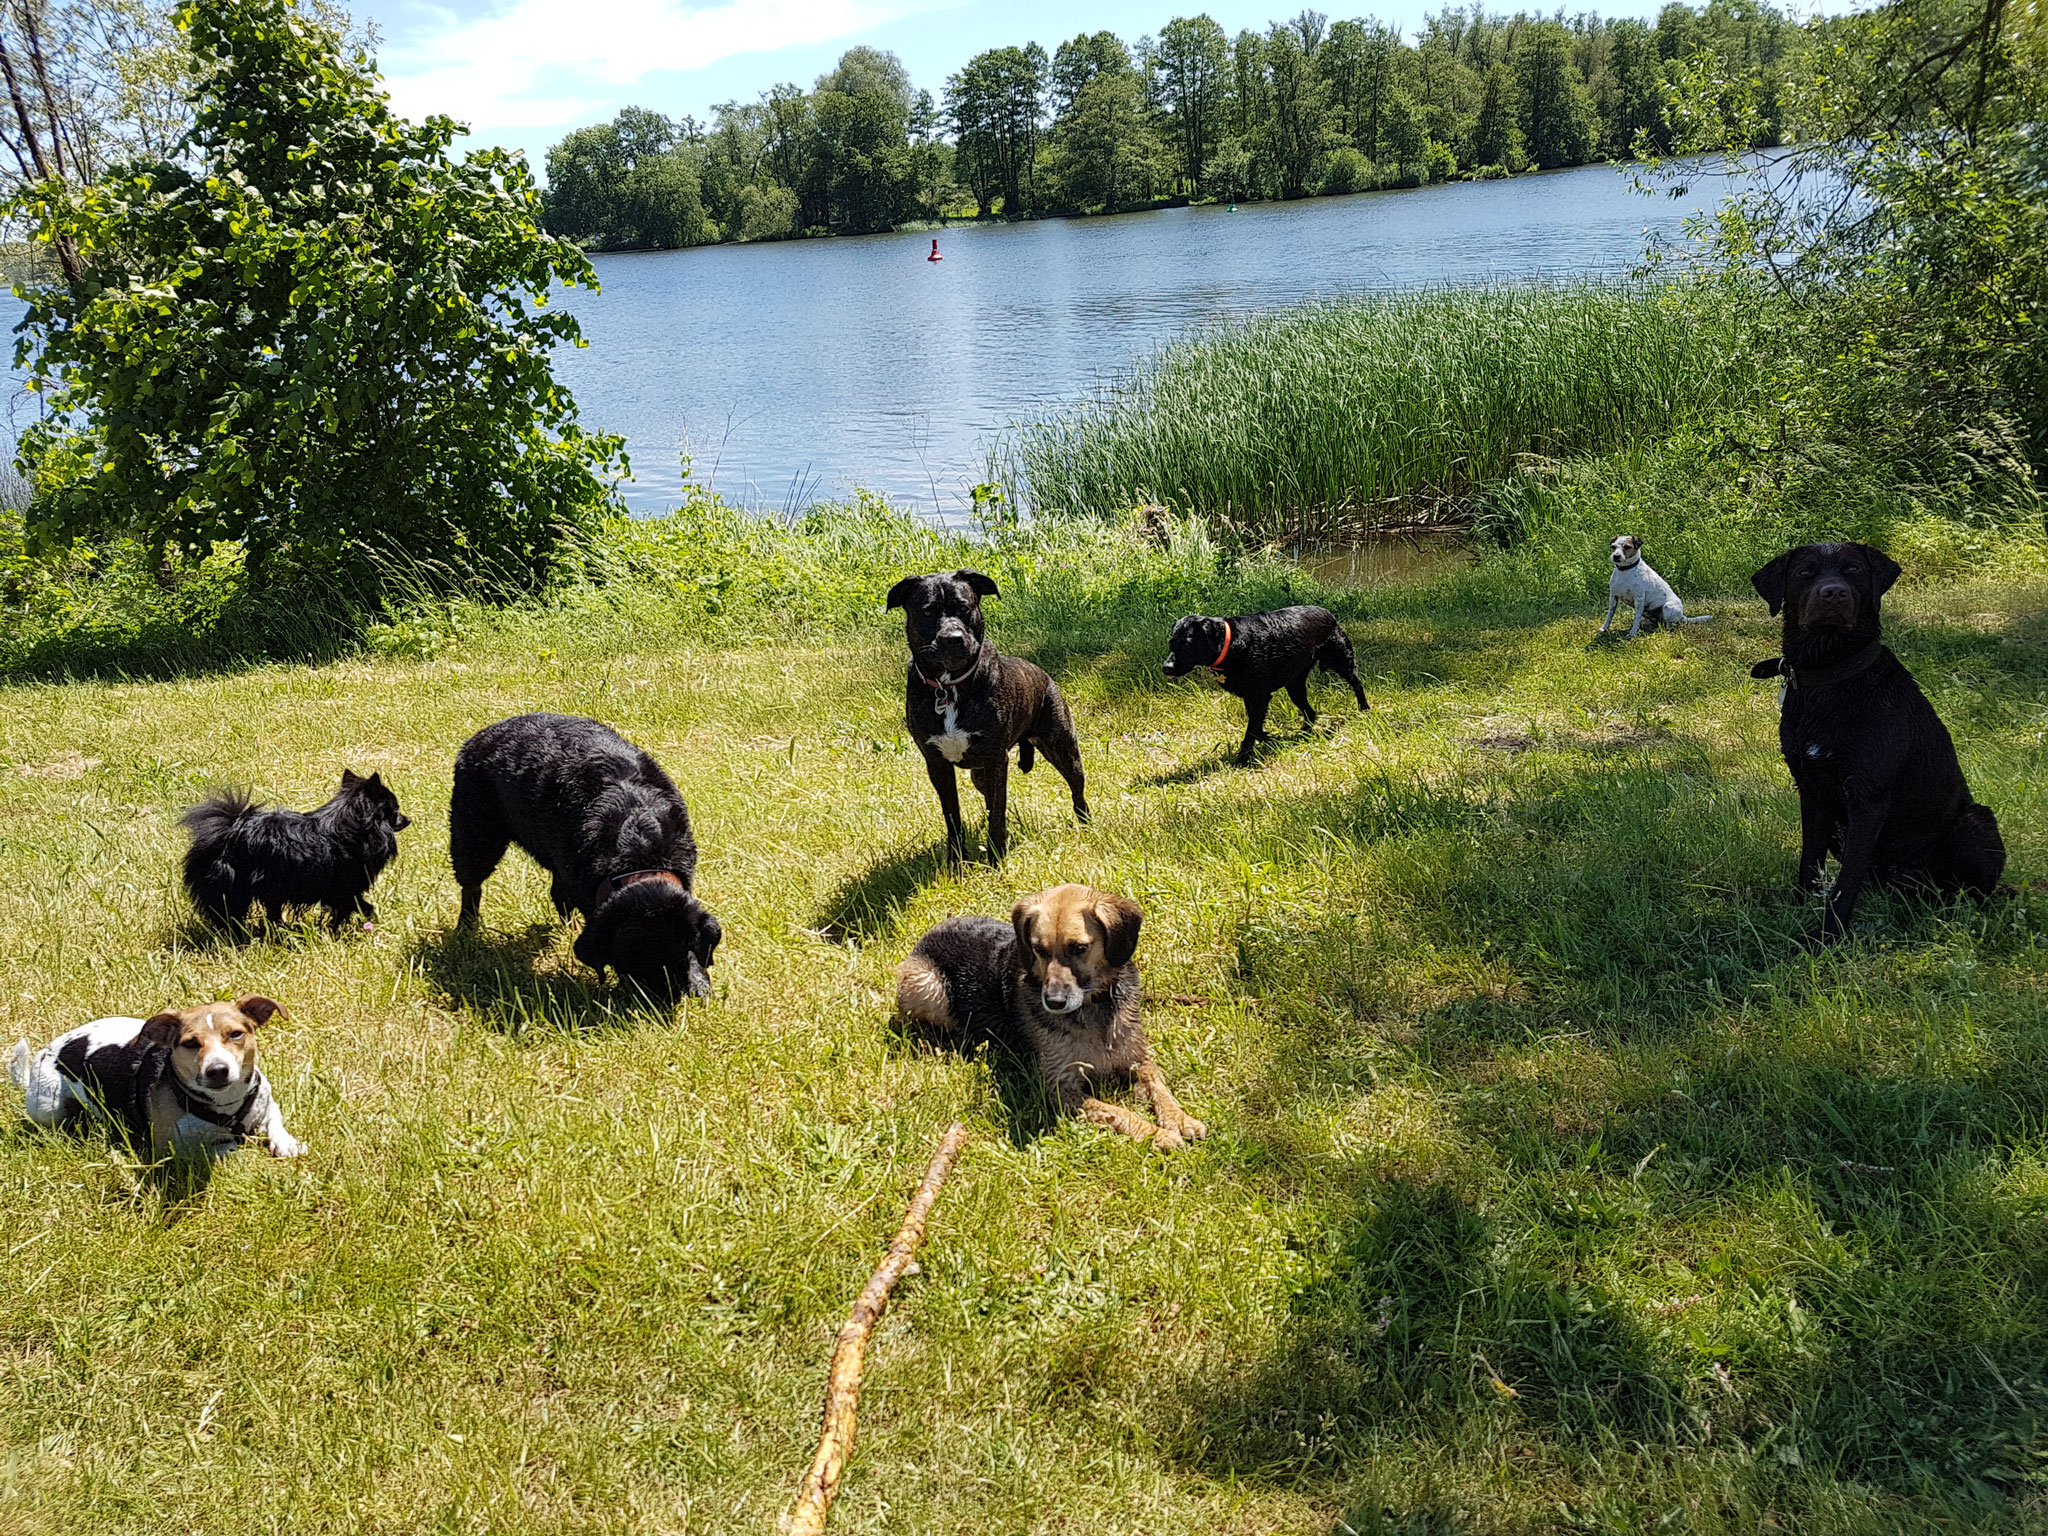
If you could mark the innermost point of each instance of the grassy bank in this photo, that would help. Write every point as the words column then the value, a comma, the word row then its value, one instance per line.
column 1553, row 1183
column 1389, row 409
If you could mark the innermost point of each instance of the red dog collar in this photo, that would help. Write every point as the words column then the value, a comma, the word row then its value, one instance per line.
column 1217, row 664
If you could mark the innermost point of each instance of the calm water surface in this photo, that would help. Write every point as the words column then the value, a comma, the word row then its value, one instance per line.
column 794, row 371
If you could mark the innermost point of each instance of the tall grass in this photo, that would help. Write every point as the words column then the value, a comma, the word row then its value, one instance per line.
column 1349, row 414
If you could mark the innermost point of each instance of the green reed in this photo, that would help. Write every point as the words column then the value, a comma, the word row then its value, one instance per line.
column 1385, row 410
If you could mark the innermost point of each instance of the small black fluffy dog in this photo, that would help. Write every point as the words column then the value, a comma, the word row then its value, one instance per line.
column 1258, row 654
column 243, row 852
column 599, row 815
column 1879, row 784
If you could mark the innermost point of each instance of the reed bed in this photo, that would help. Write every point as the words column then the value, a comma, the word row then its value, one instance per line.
column 1370, row 412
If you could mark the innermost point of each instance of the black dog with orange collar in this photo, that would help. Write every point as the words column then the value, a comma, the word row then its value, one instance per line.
column 1255, row 655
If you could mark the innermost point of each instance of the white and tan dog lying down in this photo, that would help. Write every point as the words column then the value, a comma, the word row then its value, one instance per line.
column 1056, row 981
column 181, row 1084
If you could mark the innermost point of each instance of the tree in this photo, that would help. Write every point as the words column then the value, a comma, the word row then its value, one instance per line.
column 313, row 332
column 1559, row 126
column 1079, row 60
column 1189, row 64
column 1497, row 136
column 1294, row 130
column 860, row 168
column 1636, row 111
column 631, row 183
column 1108, row 154
column 993, row 105
column 1914, row 289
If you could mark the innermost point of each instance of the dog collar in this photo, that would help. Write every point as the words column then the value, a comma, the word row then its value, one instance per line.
column 618, row 883
column 1217, row 664
column 1822, row 676
column 1631, row 565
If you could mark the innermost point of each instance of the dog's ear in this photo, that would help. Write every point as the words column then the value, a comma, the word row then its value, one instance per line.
column 1120, row 919
column 260, row 1010
column 1022, row 915
column 1884, row 570
column 709, row 935
column 349, row 780
column 161, row 1029
column 1770, row 581
column 375, row 780
column 980, row 585
column 899, row 595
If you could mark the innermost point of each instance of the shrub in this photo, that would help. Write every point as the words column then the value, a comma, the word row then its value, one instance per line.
column 315, row 336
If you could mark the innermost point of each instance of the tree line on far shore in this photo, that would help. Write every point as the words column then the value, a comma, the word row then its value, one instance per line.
column 1305, row 108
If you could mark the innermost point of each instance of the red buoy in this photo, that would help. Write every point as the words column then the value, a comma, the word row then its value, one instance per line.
column 935, row 256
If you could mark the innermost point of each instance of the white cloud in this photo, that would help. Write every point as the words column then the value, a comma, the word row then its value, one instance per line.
column 547, row 63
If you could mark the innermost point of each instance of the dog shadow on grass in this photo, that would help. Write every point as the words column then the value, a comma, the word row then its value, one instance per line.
column 194, row 934
column 1029, row 1110
column 867, row 905
column 1224, row 759
column 491, row 975
column 165, row 1191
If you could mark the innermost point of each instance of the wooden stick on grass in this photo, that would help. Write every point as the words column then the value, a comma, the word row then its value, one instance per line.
column 835, row 1441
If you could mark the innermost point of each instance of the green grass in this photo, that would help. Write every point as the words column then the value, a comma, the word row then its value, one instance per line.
column 1517, row 1065
column 1388, row 409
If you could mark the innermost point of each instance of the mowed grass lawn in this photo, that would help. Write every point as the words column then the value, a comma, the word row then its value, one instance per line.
column 1554, row 1181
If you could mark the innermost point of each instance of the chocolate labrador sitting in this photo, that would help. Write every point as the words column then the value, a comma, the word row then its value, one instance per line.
column 966, row 706
column 1879, row 784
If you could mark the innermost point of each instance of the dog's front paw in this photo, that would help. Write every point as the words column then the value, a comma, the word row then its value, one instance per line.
column 1188, row 1128
column 284, row 1144
column 1166, row 1139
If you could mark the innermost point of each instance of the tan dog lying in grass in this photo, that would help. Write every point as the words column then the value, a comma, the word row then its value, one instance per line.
column 1056, row 981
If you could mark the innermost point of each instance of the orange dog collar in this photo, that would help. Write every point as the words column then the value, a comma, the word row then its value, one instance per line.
column 1217, row 664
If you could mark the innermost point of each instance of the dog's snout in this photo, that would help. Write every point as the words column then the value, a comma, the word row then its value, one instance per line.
column 1062, row 991
column 215, row 1074
column 402, row 823
column 1831, row 598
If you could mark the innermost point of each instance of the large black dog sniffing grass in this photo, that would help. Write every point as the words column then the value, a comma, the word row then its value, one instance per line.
column 1879, row 784
column 598, row 814
column 966, row 706
column 1255, row 655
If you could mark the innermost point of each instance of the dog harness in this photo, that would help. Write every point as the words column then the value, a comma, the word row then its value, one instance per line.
column 1217, row 664
column 243, row 1121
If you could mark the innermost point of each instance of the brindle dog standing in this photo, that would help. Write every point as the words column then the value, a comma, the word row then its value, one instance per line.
column 1879, row 784
column 966, row 706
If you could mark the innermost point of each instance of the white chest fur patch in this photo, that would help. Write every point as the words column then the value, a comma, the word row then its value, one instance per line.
column 952, row 742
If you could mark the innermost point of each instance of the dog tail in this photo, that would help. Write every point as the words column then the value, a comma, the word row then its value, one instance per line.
column 210, row 824
column 212, row 819
column 17, row 1064
column 1336, row 657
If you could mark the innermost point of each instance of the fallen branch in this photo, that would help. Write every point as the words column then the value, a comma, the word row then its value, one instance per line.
column 835, row 1440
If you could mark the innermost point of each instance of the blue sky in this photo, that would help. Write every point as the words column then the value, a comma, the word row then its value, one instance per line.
column 524, row 72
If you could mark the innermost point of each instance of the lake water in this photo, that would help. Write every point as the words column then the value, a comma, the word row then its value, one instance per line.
column 794, row 371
